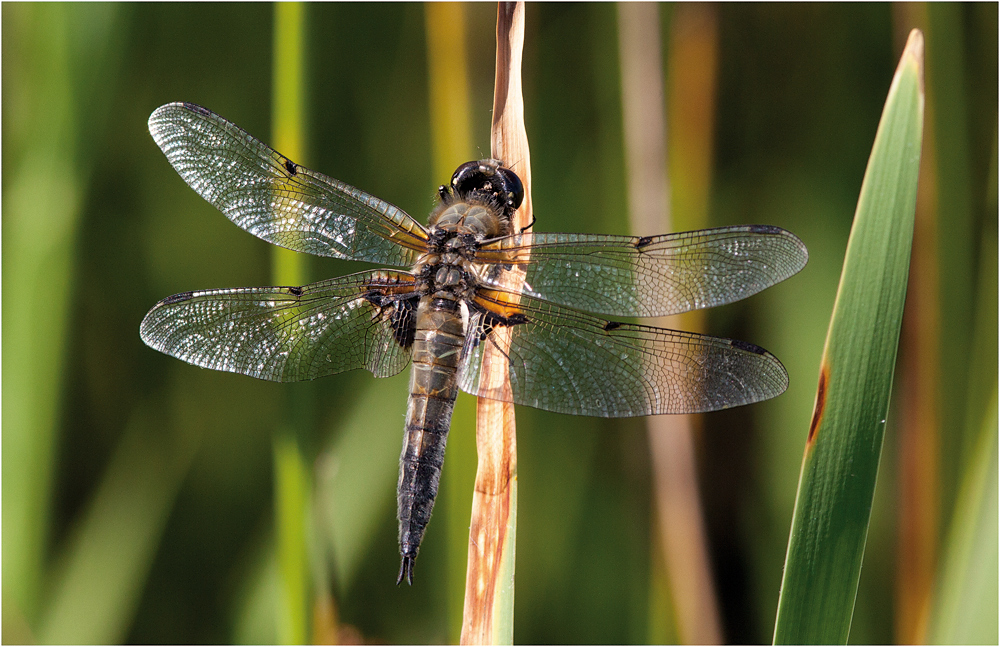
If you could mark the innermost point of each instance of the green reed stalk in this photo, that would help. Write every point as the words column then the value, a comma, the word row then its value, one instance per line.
column 291, row 470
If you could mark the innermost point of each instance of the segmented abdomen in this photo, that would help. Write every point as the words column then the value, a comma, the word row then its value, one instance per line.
column 437, row 347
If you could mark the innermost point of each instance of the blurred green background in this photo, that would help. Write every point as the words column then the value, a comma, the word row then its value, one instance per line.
column 137, row 490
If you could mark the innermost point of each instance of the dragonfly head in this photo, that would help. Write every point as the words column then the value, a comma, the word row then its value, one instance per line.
column 488, row 182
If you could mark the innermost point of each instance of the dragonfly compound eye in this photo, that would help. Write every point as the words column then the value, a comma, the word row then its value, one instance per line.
column 488, row 181
column 513, row 190
column 468, row 177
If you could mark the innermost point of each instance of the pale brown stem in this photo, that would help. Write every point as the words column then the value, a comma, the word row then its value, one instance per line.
column 490, row 576
column 680, row 528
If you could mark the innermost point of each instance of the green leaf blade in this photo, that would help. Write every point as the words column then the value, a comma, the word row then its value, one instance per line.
column 840, row 467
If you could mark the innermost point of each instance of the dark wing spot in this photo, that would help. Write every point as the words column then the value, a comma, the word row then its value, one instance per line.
column 404, row 321
column 291, row 167
column 491, row 321
column 177, row 298
column 516, row 318
column 612, row 325
column 765, row 229
column 643, row 242
column 747, row 346
column 194, row 107
column 402, row 314
column 295, row 291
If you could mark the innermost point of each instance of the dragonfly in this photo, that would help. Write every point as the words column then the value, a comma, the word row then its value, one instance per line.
column 446, row 300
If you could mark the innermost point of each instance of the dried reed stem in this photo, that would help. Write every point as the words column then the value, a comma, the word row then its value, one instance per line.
column 489, row 588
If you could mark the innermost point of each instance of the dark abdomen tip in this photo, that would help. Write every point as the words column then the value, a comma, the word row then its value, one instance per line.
column 406, row 570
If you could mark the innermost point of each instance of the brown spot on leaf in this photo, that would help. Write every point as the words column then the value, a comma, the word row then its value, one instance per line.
column 824, row 376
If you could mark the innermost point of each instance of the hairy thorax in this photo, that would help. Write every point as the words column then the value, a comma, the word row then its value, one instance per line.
column 447, row 270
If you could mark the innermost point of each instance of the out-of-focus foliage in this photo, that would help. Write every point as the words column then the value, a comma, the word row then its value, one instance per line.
column 182, row 457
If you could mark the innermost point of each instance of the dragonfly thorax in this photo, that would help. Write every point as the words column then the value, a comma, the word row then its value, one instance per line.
column 449, row 277
column 446, row 275
column 468, row 218
column 448, row 264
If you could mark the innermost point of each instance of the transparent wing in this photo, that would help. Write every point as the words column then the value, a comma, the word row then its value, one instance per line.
column 288, row 334
column 653, row 275
column 569, row 362
column 273, row 198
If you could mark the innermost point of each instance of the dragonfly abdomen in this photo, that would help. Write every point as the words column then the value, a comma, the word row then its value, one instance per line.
column 437, row 348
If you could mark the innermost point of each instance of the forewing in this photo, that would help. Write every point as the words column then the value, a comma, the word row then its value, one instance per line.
column 654, row 275
column 569, row 362
column 286, row 334
column 273, row 198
